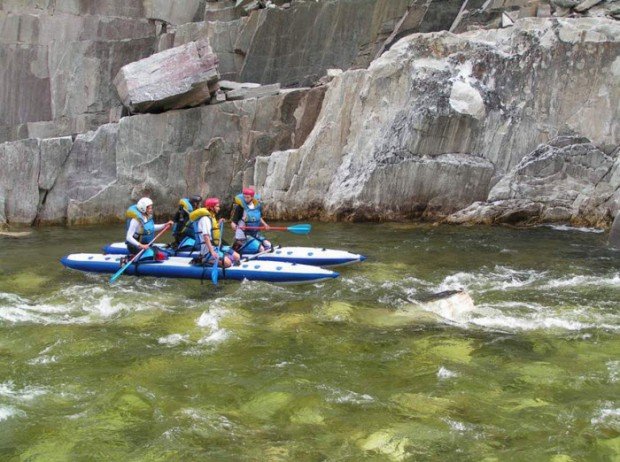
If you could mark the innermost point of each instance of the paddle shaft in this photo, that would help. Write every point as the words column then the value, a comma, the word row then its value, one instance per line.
column 256, row 255
column 295, row 229
column 271, row 228
column 214, row 271
column 122, row 270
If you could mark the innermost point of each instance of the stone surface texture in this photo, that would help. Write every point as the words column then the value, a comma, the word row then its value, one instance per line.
column 440, row 119
column 210, row 149
column 483, row 124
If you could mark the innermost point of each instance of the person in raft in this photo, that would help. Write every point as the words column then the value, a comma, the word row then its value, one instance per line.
column 141, row 229
column 247, row 211
column 207, row 231
column 183, row 232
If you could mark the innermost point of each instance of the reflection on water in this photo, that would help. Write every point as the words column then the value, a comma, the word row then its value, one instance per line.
column 346, row 369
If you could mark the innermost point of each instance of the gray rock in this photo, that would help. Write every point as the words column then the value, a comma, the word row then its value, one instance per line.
column 30, row 170
column 19, row 180
column 64, row 79
column 440, row 119
column 586, row 5
column 557, row 182
column 614, row 234
column 175, row 78
column 175, row 12
column 210, row 150
column 253, row 92
column 338, row 34
column 565, row 3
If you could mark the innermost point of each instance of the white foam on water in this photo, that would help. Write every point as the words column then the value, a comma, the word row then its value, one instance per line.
column 9, row 411
column 443, row 373
column 28, row 393
column 457, row 426
column 607, row 417
column 173, row 339
column 574, row 228
column 337, row 395
column 612, row 280
column 501, row 278
column 42, row 360
column 76, row 304
column 217, row 336
column 614, row 370
column 211, row 320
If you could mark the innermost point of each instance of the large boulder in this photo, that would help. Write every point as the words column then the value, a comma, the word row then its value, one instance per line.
column 180, row 77
column 439, row 119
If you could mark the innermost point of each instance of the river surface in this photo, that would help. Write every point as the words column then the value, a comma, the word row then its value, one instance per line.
column 345, row 370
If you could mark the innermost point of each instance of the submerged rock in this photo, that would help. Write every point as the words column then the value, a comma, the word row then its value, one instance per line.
column 264, row 406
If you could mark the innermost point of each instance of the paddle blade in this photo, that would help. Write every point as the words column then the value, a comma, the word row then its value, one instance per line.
column 300, row 229
column 117, row 274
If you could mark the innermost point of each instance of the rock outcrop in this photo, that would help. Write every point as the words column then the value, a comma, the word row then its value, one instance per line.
column 514, row 125
column 57, row 69
column 567, row 180
column 210, row 149
column 440, row 119
column 312, row 36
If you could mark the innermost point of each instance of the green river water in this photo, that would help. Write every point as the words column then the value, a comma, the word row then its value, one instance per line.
column 345, row 370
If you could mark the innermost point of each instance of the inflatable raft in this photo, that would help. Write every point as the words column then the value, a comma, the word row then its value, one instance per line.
column 180, row 267
column 302, row 255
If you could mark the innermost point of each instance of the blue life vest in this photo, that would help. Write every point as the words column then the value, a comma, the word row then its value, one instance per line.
column 147, row 231
column 253, row 216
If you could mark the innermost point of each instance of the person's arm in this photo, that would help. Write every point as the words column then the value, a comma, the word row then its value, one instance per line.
column 237, row 213
column 161, row 226
column 134, row 226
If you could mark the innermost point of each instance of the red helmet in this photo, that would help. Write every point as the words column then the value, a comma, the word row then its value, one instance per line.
column 211, row 202
column 248, row 192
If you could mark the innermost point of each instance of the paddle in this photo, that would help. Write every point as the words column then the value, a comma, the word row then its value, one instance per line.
column 295, row 229
column 214, row 271
column 116, row 275
column 256, row 255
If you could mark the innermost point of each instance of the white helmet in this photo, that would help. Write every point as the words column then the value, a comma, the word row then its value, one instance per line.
column 143, row 204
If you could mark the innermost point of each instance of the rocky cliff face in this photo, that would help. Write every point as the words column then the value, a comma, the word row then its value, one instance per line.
column 442, row 121
column 489, row 125
column 208, row 150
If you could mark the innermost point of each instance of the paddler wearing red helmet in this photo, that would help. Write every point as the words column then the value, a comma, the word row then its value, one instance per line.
column 206, row 228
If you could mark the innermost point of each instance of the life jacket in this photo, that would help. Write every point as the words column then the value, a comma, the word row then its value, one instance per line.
column 251, row 217
column 146, row 232
column 182, row 227
column 196, row 215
